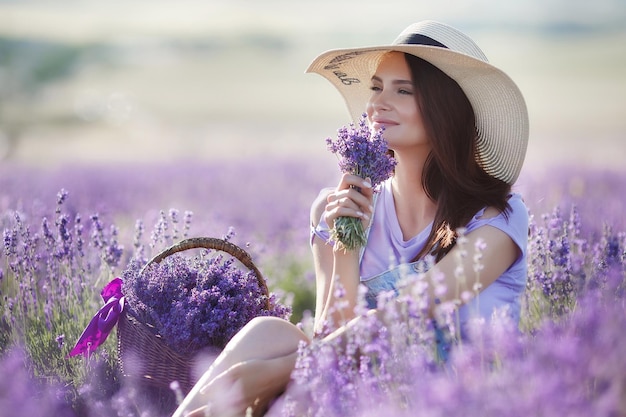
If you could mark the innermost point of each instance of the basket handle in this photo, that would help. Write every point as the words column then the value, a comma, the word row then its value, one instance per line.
column 212, row 243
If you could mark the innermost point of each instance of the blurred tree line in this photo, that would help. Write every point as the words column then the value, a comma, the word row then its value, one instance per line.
column 29, row 66
column 26, row 67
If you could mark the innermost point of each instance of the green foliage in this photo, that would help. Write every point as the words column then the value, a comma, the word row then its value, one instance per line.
column 47, row 332
column 56, row 63
column 38, row 62
column 290, row 276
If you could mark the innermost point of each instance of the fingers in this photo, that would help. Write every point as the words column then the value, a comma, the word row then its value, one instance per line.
column 226, row 394
column 353, row 198
column 245, row 384
column 354, row 181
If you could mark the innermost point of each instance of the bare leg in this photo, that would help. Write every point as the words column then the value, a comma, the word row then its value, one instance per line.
column 255, row 366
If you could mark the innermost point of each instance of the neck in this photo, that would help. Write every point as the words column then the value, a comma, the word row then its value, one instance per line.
column 408, row 173
column 415, row 210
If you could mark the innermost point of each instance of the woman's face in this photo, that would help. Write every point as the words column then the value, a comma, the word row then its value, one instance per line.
column 393, row 104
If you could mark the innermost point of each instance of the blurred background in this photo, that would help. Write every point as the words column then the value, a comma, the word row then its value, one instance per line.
column 134, row 80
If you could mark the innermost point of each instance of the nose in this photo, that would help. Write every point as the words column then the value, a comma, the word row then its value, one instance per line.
column 377, row 102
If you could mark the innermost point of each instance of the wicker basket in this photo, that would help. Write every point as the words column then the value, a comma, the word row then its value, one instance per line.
column 142, row 352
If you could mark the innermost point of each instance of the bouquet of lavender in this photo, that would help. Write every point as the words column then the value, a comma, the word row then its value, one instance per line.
column 366, row 155
column 197, row 302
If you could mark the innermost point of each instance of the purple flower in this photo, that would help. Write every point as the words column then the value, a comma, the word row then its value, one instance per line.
column 567, row 360
column 60, row 339
column 24, row 394
column 362, row 153
column 10, row 242
column 197, row 301
column 366, row 155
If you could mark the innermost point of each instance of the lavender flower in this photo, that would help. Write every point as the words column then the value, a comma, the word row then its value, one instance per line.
column 517, row 369
column 23, row 394
column 197, row 301
column 364, row 155
column 60, row 339
column 567, row 360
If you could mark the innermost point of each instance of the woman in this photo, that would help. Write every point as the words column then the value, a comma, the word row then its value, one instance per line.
column 458, row 128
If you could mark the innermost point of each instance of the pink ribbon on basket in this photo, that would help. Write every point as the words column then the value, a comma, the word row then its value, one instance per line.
column 103, row 322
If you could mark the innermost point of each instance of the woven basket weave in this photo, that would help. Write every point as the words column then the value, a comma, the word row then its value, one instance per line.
column 142, row 352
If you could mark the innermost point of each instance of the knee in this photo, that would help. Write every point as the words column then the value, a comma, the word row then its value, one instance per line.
column 265, row 321
column 274, row 327
column 271, row 334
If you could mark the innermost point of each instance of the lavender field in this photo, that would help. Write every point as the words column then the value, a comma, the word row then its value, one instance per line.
column 125, row 127
column 69, row 231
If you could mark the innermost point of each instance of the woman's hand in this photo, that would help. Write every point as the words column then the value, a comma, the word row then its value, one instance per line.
column 353, row 197
column 253, row 383
column 337, row 269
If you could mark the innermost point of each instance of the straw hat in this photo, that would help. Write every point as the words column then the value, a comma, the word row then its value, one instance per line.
column 499, row 107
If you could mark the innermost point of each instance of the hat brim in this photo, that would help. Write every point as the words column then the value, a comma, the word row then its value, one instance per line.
column 499, row 107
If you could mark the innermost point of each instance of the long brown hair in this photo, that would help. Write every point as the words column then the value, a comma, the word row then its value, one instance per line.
column 451, row 175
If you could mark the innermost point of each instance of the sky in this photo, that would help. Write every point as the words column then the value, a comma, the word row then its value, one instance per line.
column 567, row 57
column 196, row 17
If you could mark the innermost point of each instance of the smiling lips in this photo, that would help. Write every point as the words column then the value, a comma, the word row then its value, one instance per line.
column 382, row 123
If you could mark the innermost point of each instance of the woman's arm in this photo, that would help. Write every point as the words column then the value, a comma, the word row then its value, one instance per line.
column 253, row 368
column 487, row 246
column 322, row 257
column 335, row 267
column 254, row 382
column 472, row 265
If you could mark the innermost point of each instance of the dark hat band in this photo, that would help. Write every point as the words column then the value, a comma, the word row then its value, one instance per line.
column 418, row 39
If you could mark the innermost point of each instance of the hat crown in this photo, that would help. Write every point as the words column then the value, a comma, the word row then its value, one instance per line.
column 441, row 35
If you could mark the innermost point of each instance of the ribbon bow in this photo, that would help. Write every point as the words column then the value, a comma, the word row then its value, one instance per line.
column 103, row 322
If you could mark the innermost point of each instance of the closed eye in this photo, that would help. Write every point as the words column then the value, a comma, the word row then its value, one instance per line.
column 400, row 91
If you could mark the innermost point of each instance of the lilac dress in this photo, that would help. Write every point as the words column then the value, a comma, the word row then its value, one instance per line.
column 386, row 250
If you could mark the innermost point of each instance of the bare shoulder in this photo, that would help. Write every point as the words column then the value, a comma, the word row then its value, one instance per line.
column 319, row 204
column 490, row 212
column 499, row 241
column 516, row 209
